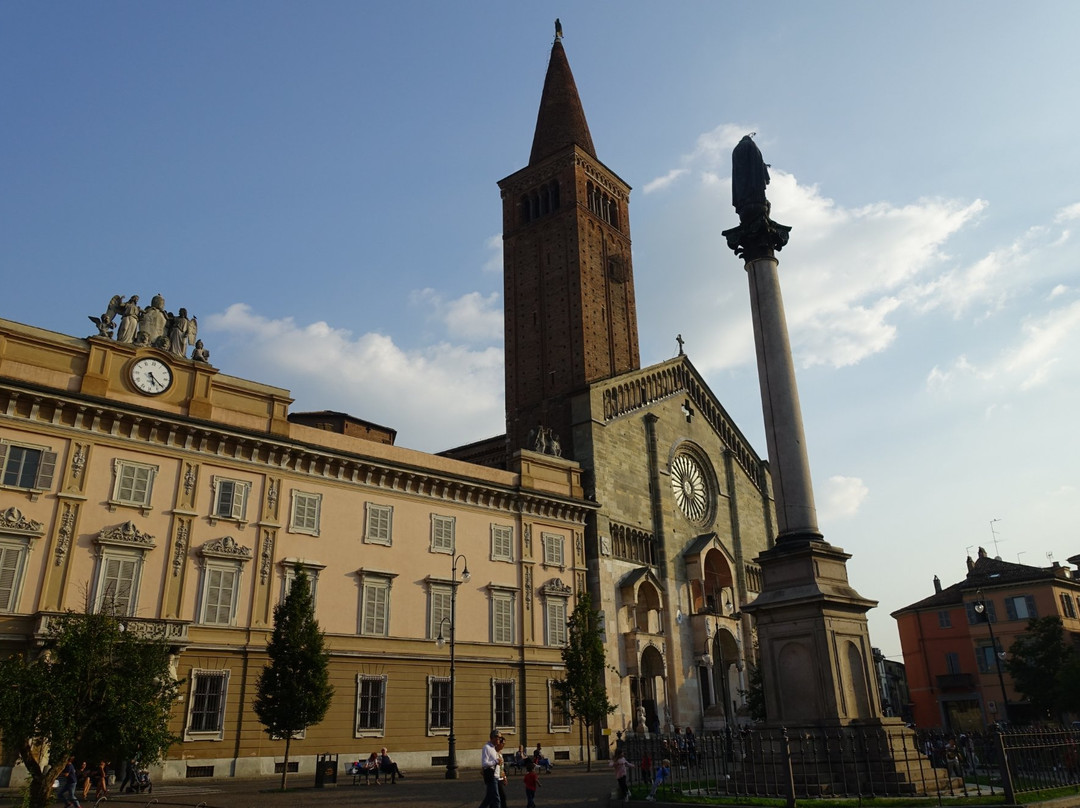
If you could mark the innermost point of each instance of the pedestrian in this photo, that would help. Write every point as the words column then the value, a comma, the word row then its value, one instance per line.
column 489, row 764
column 389, row 768
column 662, row 774
column 622, row 767
column 646, row 768
column 532, row 782
column 71, row 778
column 500, row 773
column 541, row 761
column 102, row 780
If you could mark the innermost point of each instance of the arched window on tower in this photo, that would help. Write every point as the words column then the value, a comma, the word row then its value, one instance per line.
column 613, row 211
column 524, row 205
column 554, row 194
column 545, row 200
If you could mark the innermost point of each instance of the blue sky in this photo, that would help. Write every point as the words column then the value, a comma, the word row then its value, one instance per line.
column 317, row 183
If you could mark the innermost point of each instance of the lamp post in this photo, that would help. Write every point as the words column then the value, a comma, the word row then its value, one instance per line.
column 451, row 752
column 980, row 609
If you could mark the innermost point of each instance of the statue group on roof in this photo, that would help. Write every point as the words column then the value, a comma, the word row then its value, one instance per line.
column 153, row 327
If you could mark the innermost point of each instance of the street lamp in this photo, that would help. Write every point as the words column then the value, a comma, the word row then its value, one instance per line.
column 980, row 609
column 451, row 752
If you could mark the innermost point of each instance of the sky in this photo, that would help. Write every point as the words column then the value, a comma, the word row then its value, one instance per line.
column 316, row 182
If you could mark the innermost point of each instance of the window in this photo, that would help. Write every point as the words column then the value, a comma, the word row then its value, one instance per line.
column 438, row 705
column 206, row 707
column 305, row 513
column 1021, row 607
column 375, row 603
column 439, row 603
column 952, row 662
column 219, row 595
column 312, row 570
column 29, row 467
column 1067, row 607
column 986, row 656
column 556, row 621
column 12, row 559
column 442, row 534
column 377, row 527
column 502, row 543
column 974, row 617
column 502, row 704
column 230, row 498
column 502, row 617
column 558, row 715
column 133, row 483
column 944, row 619
column 370, row 705
column 117, row 584
column 553, row 549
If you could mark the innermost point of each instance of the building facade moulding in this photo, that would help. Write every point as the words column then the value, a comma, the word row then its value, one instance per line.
column 14, row 522
column 226, row 547
column 125, row 535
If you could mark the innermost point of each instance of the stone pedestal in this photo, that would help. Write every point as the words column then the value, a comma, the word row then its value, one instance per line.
column 813, row 640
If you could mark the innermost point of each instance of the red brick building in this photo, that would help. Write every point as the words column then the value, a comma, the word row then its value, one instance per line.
column 952, row 665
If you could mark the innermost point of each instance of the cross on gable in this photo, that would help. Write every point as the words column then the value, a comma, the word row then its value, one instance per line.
column 687, row 410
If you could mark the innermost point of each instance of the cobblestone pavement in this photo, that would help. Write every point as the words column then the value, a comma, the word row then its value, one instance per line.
column 567, row 786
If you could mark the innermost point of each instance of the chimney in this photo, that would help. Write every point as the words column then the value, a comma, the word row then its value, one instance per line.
column 937, row 585
column 970, row 563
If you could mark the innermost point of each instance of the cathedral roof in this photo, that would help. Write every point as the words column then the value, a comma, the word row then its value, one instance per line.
column 561, row 120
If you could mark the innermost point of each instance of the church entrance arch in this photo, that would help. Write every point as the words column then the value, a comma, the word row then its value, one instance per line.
column 649, row 688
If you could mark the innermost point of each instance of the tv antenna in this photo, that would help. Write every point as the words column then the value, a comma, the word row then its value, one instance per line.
column 995, row 538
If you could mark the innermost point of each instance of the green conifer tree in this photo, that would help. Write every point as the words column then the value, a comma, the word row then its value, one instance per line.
column 583, row 689
column 294, row 691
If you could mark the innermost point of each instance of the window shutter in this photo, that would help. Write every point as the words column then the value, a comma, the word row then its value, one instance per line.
column 239, row 500
column 3, row 457
column 45, row 470
column 9, row 565
column 1032, row 612
column 1010, row 608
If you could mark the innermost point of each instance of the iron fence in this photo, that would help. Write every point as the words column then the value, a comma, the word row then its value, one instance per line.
column 857, row 762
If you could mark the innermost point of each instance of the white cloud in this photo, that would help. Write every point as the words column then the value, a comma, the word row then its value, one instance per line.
column 442, row 394
column 494, row 247
column 663, row 182
column 1068, row 213
column 1047, row 341
column 473, row 317
column 841, row 498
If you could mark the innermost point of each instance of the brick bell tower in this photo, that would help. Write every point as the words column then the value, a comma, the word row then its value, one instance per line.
column 568, row 283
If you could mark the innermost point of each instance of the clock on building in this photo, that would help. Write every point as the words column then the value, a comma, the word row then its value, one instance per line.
column 151, row 376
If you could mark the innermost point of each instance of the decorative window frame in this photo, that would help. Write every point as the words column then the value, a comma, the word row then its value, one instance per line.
column 438, row 542
column 124, row 542
column 1031, row 610
column 216, row 484
column 554, row 547
column 294, row 497
column 554, row 697
column 288, row 575
column 43, row 477
column 17, row 537
column 370, row 732
column 439, row 588
column 556, row 596
column 431, row 682
column 1068, row 608
column 503, row 726
column 378, row 510
column 206, row 735
column 377, row 579
column 502, row 542
column 499, row 595
column 119, row 467
column 224, row 555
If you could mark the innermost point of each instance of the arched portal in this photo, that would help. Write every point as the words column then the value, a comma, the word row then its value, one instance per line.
column 648, row 688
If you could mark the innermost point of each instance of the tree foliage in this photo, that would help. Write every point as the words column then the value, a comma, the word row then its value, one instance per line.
column 94, row 689
column 294, row 690
column 583, row 688
column 755, row 692
column 1045, row 666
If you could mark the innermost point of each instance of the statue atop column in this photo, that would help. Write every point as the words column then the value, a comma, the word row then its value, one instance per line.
column 151, row 327
column 756, row 234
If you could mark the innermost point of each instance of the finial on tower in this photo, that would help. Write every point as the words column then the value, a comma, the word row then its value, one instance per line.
column 558, row 29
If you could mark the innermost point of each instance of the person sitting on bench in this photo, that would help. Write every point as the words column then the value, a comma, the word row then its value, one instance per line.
column 389, row 768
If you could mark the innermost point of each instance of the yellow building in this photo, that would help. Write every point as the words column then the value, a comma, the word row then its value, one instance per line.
column 185, row 498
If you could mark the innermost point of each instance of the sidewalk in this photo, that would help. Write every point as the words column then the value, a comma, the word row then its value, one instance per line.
column 569, row 785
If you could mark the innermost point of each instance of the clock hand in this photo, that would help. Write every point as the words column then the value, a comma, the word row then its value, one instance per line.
column 150, row 376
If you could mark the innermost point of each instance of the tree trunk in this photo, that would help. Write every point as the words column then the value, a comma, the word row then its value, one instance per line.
column 285, row 768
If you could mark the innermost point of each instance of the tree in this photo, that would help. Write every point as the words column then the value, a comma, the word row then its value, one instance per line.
column 94, row 688
column 1044, row 666
column 755, row 692
column 583, row 688
column 294, row 691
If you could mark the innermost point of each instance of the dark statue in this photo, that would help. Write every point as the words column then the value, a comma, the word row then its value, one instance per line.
column 757, row 235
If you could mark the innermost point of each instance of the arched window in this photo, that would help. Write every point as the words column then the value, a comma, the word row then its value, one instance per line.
column 524, row 204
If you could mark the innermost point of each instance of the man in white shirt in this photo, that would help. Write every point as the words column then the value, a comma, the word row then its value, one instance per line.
column 489, row 763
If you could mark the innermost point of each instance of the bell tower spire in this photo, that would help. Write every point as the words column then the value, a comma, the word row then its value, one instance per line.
column 570, row 317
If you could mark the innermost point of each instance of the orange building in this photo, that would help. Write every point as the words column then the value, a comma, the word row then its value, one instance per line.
column 956, row 641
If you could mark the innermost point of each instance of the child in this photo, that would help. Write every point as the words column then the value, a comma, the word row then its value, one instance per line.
column 662, row 773
column 532, row 782
column 621, row 767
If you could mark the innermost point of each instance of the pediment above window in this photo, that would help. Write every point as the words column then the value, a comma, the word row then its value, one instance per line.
column 125, row 535
column 226, row 547
column 14, row 522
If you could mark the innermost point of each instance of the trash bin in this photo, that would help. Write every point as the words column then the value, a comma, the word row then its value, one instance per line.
column 326, row 770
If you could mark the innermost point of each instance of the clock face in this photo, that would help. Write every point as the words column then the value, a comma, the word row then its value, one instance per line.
column 151, row 376
column 691, row 488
